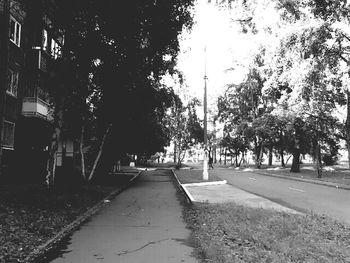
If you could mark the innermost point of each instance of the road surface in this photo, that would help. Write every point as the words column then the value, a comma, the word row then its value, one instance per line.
column 302, row 196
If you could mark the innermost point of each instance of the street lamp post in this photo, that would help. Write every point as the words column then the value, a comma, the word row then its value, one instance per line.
column 205, row 161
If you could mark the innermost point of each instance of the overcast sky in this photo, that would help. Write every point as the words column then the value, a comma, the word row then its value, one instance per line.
column 214, row 31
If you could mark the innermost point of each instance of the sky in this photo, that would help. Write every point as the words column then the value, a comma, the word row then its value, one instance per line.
column 227, row 50
column 214, row 32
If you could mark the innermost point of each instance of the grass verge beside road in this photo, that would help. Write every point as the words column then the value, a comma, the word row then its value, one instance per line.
column 231, row 233
column 187, row 176
column 30, row 215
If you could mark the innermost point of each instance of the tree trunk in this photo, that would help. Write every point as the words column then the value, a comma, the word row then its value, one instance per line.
column 181, row 158
column 242, row 159
column 318, row 161
column 296, row 153
column 214, row 154
column 175, row 145
column 270, row 154
column 225, row 156
column 296, row 162
column 92, row 173
column 259, row 155
column 52, row 159
column 55, row 139
column 81, row 146
column 282, row 158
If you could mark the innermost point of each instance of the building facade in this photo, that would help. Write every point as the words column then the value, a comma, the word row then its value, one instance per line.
column 28, row 50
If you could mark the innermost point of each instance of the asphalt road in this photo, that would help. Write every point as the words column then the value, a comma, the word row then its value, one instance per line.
column 301, row 196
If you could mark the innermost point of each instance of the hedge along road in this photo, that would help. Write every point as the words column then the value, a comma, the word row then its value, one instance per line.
column 142, row 224
column 301, row 196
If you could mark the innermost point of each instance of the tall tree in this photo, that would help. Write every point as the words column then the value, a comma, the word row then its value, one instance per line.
column 123, row 49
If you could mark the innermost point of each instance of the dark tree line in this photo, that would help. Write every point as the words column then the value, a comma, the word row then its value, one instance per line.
column 106, row 87
column 297, row 83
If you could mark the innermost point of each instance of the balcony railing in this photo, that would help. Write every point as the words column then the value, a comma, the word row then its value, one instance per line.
column 35, row 107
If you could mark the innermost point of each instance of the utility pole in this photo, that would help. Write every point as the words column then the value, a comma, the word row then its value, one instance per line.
column 205, row 161
column 4, row 53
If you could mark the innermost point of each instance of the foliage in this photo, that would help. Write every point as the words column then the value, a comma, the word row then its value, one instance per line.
column 185, row 127
column 114, row 56
column 296, row 83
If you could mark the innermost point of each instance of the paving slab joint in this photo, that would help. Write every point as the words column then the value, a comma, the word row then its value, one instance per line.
column 40, row 252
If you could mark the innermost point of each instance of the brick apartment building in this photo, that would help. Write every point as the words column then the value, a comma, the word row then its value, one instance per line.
column 27, row 51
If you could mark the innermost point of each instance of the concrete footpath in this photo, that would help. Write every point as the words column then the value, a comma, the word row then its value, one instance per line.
column 142, row 224
column 221, row 193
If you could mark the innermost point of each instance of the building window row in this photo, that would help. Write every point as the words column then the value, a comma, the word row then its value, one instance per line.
column 8, row 135
column 12, row 87
column 15, row 31
column 51, row 45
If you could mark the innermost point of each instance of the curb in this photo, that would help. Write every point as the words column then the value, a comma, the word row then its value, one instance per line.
column 40, row 252
column 206, row 183
column 329, row 184
column 189, row 197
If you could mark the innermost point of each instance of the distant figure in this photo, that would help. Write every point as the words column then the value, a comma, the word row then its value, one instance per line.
column 211, row 163
column 118, row 166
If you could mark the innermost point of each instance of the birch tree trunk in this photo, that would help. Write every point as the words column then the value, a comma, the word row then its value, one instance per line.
column 82, row 157
column 92, row 173
column 55, row 139
column 51, row 162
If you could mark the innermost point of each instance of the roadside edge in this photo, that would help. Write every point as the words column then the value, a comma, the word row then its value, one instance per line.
column 189, row 197
column 329, row 184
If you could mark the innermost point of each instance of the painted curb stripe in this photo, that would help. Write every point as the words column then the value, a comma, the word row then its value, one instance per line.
column 206, row 183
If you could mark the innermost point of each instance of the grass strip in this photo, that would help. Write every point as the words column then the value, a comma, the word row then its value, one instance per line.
column 231, row 233
column 194, row 176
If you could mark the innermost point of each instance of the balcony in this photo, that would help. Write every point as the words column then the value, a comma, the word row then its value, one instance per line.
column 35, row 107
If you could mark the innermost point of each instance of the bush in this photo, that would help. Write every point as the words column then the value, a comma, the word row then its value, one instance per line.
column 329, row 159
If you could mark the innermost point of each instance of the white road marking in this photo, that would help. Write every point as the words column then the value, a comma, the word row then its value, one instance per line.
column 251, row 178
column 296, row 189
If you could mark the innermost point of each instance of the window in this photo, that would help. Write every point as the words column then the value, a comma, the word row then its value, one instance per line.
column 8, row 136
column 45, row 40
column 15, row 31
column 55, row 49
column 13, row 83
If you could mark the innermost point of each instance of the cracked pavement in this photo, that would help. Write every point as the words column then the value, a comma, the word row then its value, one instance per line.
column 142, row 224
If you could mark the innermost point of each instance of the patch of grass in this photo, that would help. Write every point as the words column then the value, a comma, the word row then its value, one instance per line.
column 194, row 176
column 30, row 215
column 231, row 233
